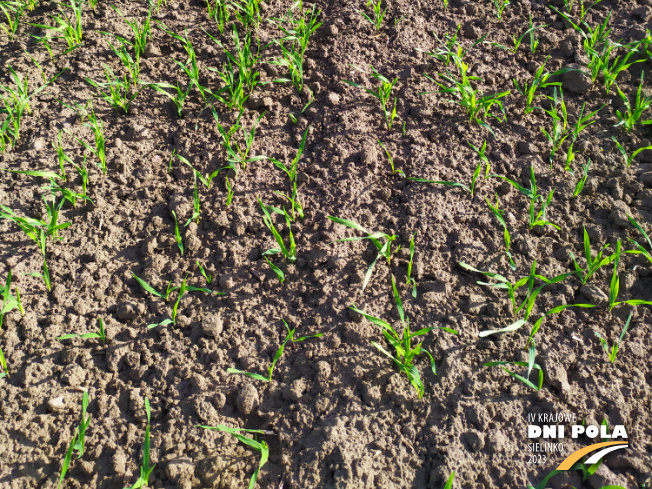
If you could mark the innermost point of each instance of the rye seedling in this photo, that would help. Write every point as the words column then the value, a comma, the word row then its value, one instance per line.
column 289, row 252
column 3, row 364
column 537, row 387
column 378, row 13
column 116, row 91
column 498, row 214
column 293, row 118
column 540, row 80
column 390, row 158
column 205, row 273
column 296, row 34
column 101, row 333
column 558, row 133
column 9, row 301
column 410, row 280
column 13, row 13
column 629, row 158
column 178, row 96
column 614, row 286
column 500, row 7
column 77, row 442
column 580, row 183
column 405, row 354
column 613, row 351
column 640, row 250
column 145, row 468
column 277, row 355
column 632, row 114
column 592, row 264
column 382, row 242
column 297, row 207
column 517, row 41
column 68, row 25
column 177, row 234
column 447, row 47
column 219, row 11
column 477, row 106
column 260, row 446
column 247, row 12
column 383, row 94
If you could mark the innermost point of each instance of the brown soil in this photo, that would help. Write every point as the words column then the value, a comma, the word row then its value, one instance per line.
column 341, row 415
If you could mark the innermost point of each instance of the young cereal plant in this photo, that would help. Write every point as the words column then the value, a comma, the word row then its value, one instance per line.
column 410, row 280
column 378, row 13
column 447, row 47
column 406, row 353
column 13, row 13
column 613, row 351
column 477, row 106
column 247, row 12
column 145, row 468
column 614, row 286
column 206, row 274
column 178, row 96
column 77, row 442
column 592, row 264
column 517, row 41
column 580, row 183
column 3, row 364
column 289, row 252
column 277, row 355
column 296, row 34
column 297, row 207
column 530, row 365
column 382, row 242
column 541, row 80
column 115, row 91
column 219, row 11
column 383, row 94
column 260, row 446
column 535, row 218
column 9, row 301
column 640, row 250
column 68, row 25
column 633, row 113
column 478, row 169
column 498, row 214
column 390, row 158
column 629, row 158
column 177, row 234
column 101, row 333
column 558, row 134
column 500, row 7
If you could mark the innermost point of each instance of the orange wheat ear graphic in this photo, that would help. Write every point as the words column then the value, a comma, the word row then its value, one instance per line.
column 608, row 446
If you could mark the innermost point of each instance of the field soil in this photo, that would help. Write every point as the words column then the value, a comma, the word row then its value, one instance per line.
column 339, row 413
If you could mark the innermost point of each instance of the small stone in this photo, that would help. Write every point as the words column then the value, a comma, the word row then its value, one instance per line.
column 126, row 311
column 180, row 470
column 475, row 304
column 56, row 404
column 180, row 205
column 474, row 439
column 73, row 375
column 212, row 325
column 294, row 391
column 576, row 81
column 247, row 399
column 119, row 463
column 333, row 98
column 332, row 30
column 38, row 144
column 619, row 213
column 323, row 369
column 595, row 294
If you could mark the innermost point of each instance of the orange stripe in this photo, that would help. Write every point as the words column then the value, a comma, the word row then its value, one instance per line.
column 576, row 456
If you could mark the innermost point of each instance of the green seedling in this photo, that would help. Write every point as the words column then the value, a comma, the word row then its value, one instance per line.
column 289, row 252
column 13, row 13
column 405, row 353
column 592, row 264
column 378, row 13
column 580, row 183
column 445, row 2
column 297, row 207
column 142, row 32
column 613, row 351
column 260, row 446
column 277, row 271
column 178, row 96
column 293, row 118
column 517, row 41
column 77, row 442
column 195, row 202
column 640, row 250
column 500, row 7
column 383, row 94
column 296, row 35
column 247, row 12
column 190, row 67
column 633, row 113
column 614, row 285
column 382, row 242
column 601, row 63
column 534, row 218
column 629, row 158
column 537, row 387
column 69, row 26
column 277, row 355
column 3, row 364
column 145, row 468
column 101, row 334
column 79, row 109
column 177, row 234
column 584, row 121
column 527, row 303
column 9, row 301
column 477, row 106
column 391, row 160
column 447, row 47
column 449, row 482
column 170, row 288
column 498, row 214
column 541, row 80
column 219, row 11
column 558, row 133
column 410, row 280
column 206, row 274
column 97, row 127
column 240, row 73
column 115, row 91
